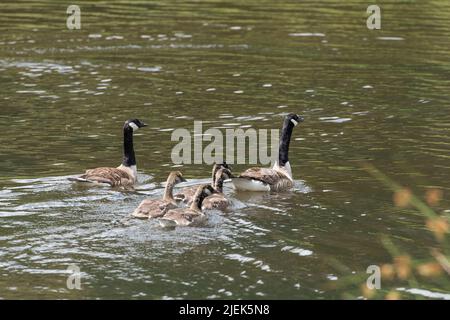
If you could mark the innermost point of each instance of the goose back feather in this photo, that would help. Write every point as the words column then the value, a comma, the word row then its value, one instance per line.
column 187, row 194
column 191, row 216
column 126, row 174
column 277, row 178
column 155, row 208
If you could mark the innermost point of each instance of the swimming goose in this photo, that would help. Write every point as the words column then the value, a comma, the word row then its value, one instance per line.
column 218, row 200
column 187, row 194
column 155, row 208
column 126, row 174
column 188, row 216
column 277, row 178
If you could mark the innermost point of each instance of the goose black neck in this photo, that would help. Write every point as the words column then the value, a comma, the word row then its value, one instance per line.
column 129, row 158
column 285, row 139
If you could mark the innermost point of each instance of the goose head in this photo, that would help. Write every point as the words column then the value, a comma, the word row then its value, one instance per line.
column 221, row 176
column 293, row 118
column 202, row 192
column 217, row 167
column 222, row 165
column 224, row 174
column 134, row 124
column 176, row 177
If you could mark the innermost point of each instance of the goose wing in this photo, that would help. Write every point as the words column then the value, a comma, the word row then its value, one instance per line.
column 186, row 194
column 182, row 217
column 152, row 208
column 215, row 201
column 263, row 179
column 111, row 176
column 266, row 175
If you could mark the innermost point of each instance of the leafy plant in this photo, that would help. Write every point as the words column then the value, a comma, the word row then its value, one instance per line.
column 432, row 273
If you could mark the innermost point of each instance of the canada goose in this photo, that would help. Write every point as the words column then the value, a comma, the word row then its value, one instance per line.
column 155, row 208
column 188, row 216
column 278, row 178
column 124, row 175
column 218, row 200
column 187, row 194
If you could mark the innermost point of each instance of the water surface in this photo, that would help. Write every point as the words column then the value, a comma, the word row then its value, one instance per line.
column 367, row 96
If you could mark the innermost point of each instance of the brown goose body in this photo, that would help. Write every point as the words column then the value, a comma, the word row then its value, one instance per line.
column 217, row 200
column 126, row 174
column 120, row 176
column 187, row 194
column 185, row 217
column 277, row 178
column 155, row 208
column 191, row 216
column 266, row 179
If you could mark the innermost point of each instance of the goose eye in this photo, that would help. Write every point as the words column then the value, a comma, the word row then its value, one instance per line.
column 294, row 122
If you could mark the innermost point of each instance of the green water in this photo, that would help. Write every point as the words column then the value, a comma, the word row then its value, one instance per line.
column 378, row 96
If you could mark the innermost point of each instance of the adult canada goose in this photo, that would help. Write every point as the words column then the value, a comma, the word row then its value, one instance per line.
column 124, row 175
column 218, row 200
column 278, row 178
column 155, row 208
column 187, row 194
column 188, row 216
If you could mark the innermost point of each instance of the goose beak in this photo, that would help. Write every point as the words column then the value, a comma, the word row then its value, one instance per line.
column 143, row 124
column 301, row 119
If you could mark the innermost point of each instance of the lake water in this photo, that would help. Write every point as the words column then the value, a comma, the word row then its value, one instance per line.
column 377, row 96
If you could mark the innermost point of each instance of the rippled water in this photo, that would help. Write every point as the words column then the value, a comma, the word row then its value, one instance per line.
column 367, row 96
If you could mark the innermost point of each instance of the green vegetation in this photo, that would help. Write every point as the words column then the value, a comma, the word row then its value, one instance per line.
column 405, row 274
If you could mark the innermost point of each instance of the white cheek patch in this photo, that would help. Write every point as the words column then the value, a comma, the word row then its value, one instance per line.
column 294, row 122
column 134, row 126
